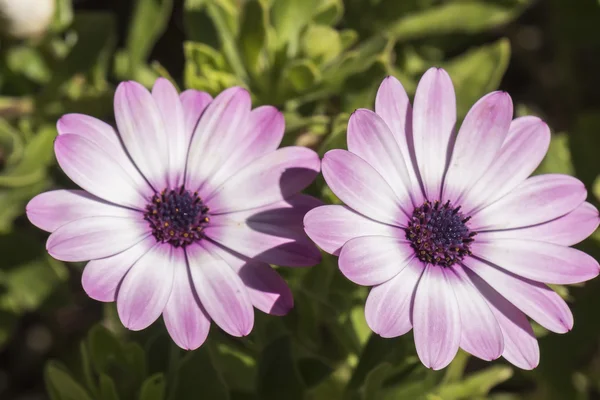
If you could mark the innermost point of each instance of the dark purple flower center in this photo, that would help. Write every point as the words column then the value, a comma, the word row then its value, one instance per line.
column 177, row 217
column 439, row 233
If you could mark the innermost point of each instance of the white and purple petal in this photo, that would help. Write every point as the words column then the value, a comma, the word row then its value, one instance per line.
column 434, row 117
column 145, row 290
column 101, row 277
column 186, row 320
column 538, row 261
column 535, row 299
column 389, row 306
column 478, row 142
column 436, row 318
column 96, row 237
column 370, row 138
column 51, row 210
column 393, row 106
column 362, row 188
column 373, row 260
column 143, row 132
column 273, row 177
column 221, row 291
column 96, row 171
column 539, row 199
column 331, row 226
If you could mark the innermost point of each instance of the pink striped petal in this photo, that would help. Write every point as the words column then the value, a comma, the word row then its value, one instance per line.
column 144, row 292
column 266, row 288
column 185, row 318
column 520, row 344
column 362, row 188
column 105, row 137
column 263, row 134
column 479, row 139
column 370, row 139
column 393, row 106
column 194, row 102
column 535, row 299
column 538, row 261
column 434, row 116
column 523, row 150
column 373, row 260
column 272, row 234
column 171, row 111
column 436, row 319
column 101, row 278
column 96, row 171
column 143, row 132
column 389, row 306
column 333, row 225
column 567, row 230
column 481, row 334
column 271, row 178
column 539, row 199
column 221, row 291
column 218, row 132
column 95, row 237
column 51, row 210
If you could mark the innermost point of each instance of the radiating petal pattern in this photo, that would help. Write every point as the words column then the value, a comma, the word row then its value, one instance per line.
column 332, row 226
column 389, row 306
column 51, row 210
column 434, row 116
column 436, row 318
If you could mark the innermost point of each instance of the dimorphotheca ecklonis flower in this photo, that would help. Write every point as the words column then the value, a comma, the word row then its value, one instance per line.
column 454, row 236
column 182, row 210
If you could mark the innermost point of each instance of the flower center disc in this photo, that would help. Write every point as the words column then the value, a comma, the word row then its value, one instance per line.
column 177, row 217
column 439, row 234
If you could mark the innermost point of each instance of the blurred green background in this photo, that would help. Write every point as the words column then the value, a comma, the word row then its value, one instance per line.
column 317, row 60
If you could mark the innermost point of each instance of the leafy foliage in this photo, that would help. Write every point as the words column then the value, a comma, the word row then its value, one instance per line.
column 317, row 61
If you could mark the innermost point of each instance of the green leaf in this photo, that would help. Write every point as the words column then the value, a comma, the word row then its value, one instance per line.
column 95, row 35
column 278, row 376
column 348, row 37
column 104, row 349
column 558, row 159
column 301, row 74
column 329, row 12
column 476, row 385
column 86, row 370
column 153, row 388
column 355, row 61
column 197, row 374
column 224, row 16
column 108, row 390
column 29, row 275
column 63, row 16
column 289, row 18
column 313, row 371
column 149, row 21
column 37, row 154
column 252, row 36
column 61, row 385
column 454, row 17
column 374, row 381
column 238, row 367
column 11, row 143
column 13, row 200
column 584, row 144
column 477, row 72
column 321, row 43
column 29, row 62
column 8, row 322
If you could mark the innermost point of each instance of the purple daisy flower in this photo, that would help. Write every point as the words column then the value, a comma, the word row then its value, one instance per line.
column 454, row 236
column 182, row 210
